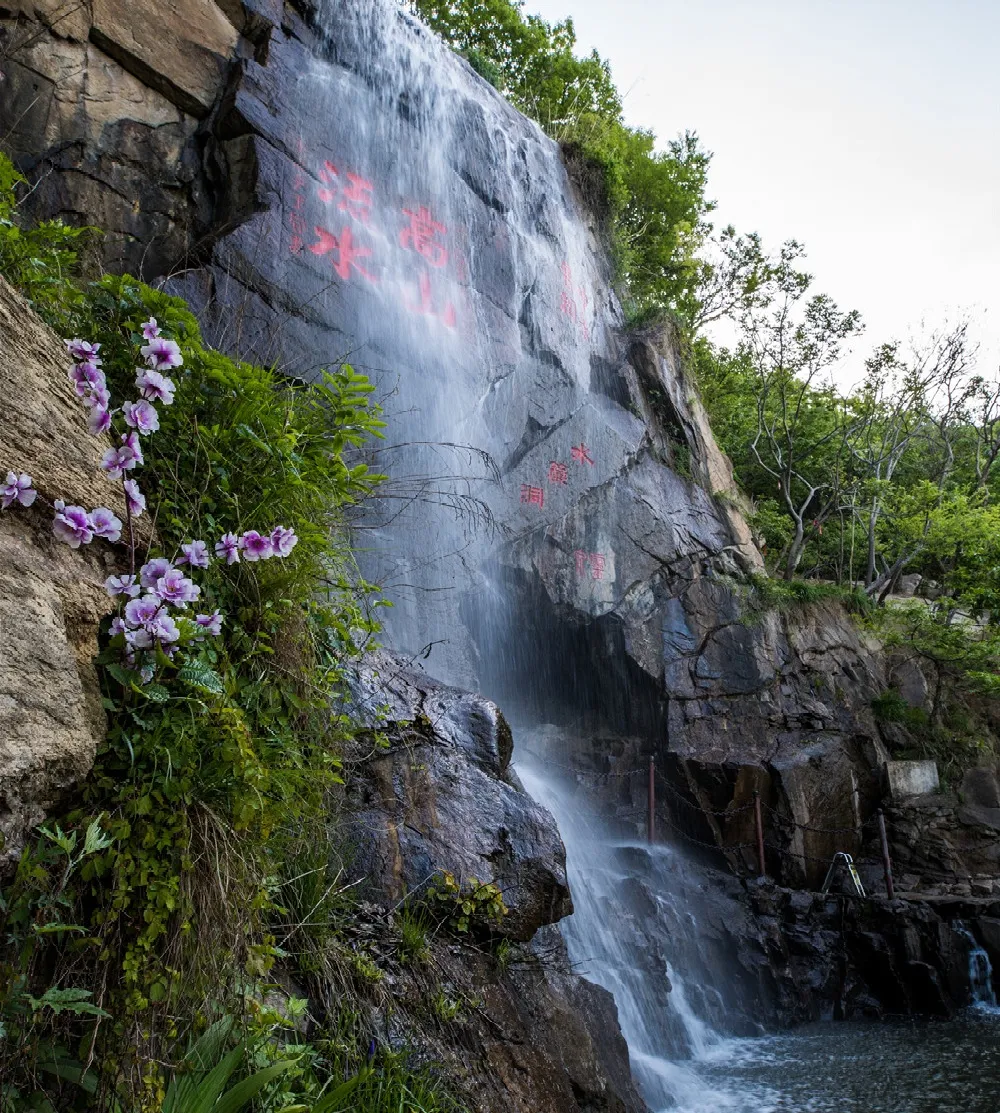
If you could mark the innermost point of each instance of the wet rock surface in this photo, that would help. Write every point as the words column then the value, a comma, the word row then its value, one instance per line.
column 435, row 793
column 837, row 956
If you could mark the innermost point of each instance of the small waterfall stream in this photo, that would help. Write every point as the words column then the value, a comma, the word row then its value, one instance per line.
column 980, row 970
column 621, row 890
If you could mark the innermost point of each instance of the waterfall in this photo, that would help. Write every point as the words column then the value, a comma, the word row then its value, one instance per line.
column 636, row 920
column 532, row 527
column 980, row 970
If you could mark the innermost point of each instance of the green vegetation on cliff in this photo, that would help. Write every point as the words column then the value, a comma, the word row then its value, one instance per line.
column 142, row 935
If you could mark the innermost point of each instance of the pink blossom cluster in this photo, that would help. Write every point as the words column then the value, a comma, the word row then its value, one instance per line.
column 253, row 546
column 151, row 603
column 75, row 526
column 140, row 417
column 146, row 620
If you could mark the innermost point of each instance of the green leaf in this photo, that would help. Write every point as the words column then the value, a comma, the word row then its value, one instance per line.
column 200, row 676
column 127, row 678
column 65, row 1000
column 156, row 693
column 241, row 1094
column 334, row 1101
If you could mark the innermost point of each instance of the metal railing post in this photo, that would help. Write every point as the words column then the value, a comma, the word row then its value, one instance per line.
column 886, row 860
column 759, row 822
column 651, row 830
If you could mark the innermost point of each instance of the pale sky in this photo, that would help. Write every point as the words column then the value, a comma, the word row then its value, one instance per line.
column 869, row 131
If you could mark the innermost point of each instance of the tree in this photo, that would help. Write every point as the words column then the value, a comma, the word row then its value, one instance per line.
column 905, row 404
column 803, row 426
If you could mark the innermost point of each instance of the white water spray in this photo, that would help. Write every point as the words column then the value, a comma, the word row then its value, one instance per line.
column 607, row 943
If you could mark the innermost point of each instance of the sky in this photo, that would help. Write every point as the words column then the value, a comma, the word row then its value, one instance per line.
column 868, row 131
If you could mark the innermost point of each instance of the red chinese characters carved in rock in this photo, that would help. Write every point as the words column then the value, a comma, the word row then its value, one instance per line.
column 532, row 496
column 581, row 454
column 353, row 197
column 568, row 304
column 426, row 304
column 421, row 236
column 595, row 562
column 347, row 252
column 558, row 473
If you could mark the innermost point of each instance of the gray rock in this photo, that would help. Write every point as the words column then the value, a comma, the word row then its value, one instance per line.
column 442, row 798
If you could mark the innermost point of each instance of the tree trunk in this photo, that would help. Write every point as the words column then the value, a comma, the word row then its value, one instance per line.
column 872, row 519
column 795, row 547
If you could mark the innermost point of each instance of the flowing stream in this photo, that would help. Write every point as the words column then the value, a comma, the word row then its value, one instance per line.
column 680, row 1057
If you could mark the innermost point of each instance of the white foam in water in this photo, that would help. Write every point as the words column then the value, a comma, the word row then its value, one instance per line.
column 666, row 1038
column 984, row 997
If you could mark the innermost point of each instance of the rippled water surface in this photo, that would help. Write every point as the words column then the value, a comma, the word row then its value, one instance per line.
column 920, row 1067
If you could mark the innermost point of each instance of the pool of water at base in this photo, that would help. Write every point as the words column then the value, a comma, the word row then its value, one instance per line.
column 901, row 1066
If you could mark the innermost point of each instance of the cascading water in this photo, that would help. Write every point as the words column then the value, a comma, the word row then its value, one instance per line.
column 431, row 236
column 635, row 917
column 605, row 945
column 980, row 970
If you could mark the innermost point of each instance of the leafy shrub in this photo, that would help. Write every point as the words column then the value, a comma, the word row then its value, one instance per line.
column 209, row 779
column 41, row 260
column 460, row 907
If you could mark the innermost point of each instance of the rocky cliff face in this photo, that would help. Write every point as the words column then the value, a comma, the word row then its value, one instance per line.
column 325, row 181
column 51, row 598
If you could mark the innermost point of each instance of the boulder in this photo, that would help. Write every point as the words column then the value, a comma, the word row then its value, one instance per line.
column 177, row 47
column 441, row 797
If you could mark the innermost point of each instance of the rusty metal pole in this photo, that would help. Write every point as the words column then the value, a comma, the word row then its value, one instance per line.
column 651, row 831
column 886, row 860
column 759, row 822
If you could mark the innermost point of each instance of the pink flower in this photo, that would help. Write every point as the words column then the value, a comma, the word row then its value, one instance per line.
column 135, row 498
column 99, row 421
column 175, row 588
column 283, row 541
column 99, row 396
column 82, row 351
column 162, row 354
column 227, row 548
column 196, row 554
column 139, row 638
column 152, row 570
column 18, row 488
column 150, row 329
column 164, row 629
column 141, row 612
column 131, row 445
column 154, row 386
column 122, row 585
column 210, row 623
column 105, row 524
column 72, row 526
column 254, row 546
column 116, row 461
column 141, row 416
column 87, row 377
